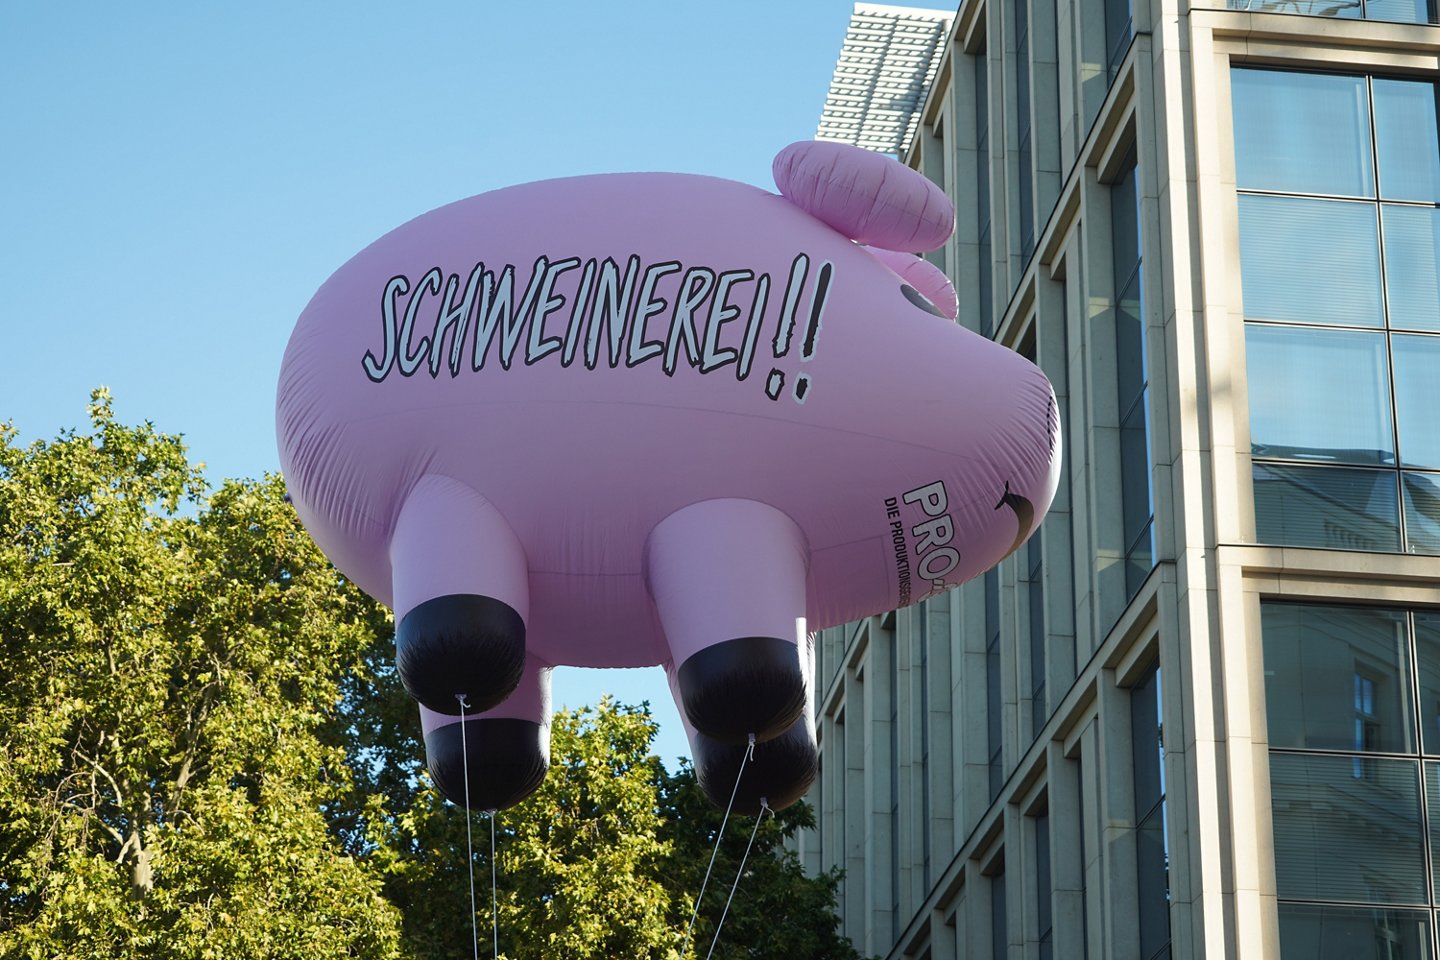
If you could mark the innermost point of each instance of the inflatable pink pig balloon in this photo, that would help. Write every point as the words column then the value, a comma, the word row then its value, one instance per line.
column 637, row 419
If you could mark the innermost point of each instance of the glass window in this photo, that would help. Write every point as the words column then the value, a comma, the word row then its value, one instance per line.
column 1035, row 597
column 893, row 675
column 1044, row 925
column 1139, row 559
column 1347, row 837
column 1342, row 9
column 1412, row 265
column 1119, row 26
column 1136, row 506
column 1151, row 844
column 1331, row 507
column 1080, row 824
column 1354, row 827
column 982, row 193
column 987, row 284
column 994, row 731
column 1147, row 746
column 1301, row 132
column 1417, row 398
column 1025, row 169
column 1025, row 184
column 1336, row 678
column 1131, row 369
column 1317, row 932
column 999, row 940
column 1318, row 395
column 1432, row 793
column 1422, row 512
column 1131, row 372
column 1134, row 474
column 1406, row 140
column 1327, row 397
column 923, row 621
column 1312, row 261
column 1125, row 224
column 1154, row 885
column 1427, row 660
column 1402, row 11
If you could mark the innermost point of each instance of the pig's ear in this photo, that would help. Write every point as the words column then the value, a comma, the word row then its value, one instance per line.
column 926, row 279
column 869, row 197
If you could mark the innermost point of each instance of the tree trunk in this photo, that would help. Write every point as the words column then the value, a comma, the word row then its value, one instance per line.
column 142, row 879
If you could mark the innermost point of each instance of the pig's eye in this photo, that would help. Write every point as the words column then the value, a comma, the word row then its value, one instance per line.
column 917, row 298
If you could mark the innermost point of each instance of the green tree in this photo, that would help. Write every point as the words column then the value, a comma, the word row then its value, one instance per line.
column 777, row 911
column 580, row 864
column 166, row 677
column 604, row 860
column 207, row 753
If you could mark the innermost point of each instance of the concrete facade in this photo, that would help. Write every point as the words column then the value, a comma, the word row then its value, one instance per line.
column 1073, row 757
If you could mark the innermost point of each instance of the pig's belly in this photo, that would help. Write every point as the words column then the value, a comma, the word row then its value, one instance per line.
column 583, row 484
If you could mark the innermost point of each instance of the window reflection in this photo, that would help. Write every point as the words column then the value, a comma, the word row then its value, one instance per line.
column 1328, row 396
column 1422, row 512
column 1035, row 600
column 1025, row 169
column 1321, row 395
column 1352, row 819
column 1432, row 791
column 1347, row 839
column 993, row 713
column 1427, row 662
column 1119, row 28
column 982, row 193
column 1152, row 850
column 1331, row 507
column 999, row 940
column 1345, row 933
column 1399, row 11
column 1132, row 380
column 1044, row 924
column 1336, row 678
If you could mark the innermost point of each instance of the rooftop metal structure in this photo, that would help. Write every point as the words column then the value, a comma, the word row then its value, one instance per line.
column 886, row 66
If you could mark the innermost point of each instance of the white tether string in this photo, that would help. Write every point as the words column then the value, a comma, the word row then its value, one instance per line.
column 469, row 843
column 764, row 807
column 749, row 754
column 494, row 896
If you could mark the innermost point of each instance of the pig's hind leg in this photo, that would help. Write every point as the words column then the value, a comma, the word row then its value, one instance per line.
column 462, row 598
column 728, row 581
column 505, row 751
column 777, row 773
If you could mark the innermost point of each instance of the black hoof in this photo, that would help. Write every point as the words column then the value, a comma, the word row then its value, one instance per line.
column 460, row 644
column 508, row 760
column 781, row 771
column 743, row 686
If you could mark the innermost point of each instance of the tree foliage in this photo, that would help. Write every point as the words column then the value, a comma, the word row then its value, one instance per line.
column 165, row 680
column 605, row 860
column 206, row 753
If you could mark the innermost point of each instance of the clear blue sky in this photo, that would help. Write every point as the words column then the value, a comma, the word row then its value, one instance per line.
column 176, row 179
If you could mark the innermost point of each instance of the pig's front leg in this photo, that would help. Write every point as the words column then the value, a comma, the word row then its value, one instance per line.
column 462, row 597
column 505, row 750
column 728, row 581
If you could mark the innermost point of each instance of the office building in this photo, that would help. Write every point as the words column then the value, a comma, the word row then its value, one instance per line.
column 1198, row 714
